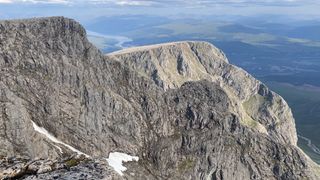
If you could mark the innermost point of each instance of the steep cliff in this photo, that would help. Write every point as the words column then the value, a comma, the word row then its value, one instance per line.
column 171, row 65
column 179, row 109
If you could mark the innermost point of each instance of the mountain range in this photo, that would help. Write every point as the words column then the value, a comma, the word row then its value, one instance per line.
column 177, row 110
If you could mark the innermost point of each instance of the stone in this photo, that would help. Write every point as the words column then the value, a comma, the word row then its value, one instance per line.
column 180, row 107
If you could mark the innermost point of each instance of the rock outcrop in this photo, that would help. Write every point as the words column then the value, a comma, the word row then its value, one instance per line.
column 180, row 107
column 171, row 65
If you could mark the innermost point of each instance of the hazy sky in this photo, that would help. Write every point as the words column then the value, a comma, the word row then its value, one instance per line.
column 81, row 9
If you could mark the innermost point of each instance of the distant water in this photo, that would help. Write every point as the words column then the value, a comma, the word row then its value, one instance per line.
column 121, row 40
column 313, row 147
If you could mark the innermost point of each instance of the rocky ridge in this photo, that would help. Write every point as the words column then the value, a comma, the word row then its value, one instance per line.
column 171, row 65
column 180, row 107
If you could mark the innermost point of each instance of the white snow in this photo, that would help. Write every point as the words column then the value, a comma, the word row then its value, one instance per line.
column 116, row 158
column 58, row 148
column 44, row 132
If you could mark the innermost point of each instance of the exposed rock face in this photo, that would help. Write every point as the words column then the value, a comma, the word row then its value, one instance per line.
column 171, row 65
column 67, row 168
column 181, row 107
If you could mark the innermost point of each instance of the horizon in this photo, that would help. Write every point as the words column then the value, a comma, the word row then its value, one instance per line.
column 85, row 11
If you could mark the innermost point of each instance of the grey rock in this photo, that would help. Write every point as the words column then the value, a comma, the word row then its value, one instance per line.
column 181, row 107
column 44, row 168
column 177, row 63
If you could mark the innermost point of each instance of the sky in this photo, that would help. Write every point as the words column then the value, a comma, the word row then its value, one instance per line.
column 86, row 9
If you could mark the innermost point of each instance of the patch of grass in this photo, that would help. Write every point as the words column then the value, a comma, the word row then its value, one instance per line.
column 249, row 122
column 73, row 162
column 254, row 102
column 251, row 107
column 177, row 133
column 186, row 165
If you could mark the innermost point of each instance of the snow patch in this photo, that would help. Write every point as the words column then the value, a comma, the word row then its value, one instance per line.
column 44, row 132
column 116, row 159
column 58, row 148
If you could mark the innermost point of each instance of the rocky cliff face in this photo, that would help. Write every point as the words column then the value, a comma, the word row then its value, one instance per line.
column 171, row 65
column 181, row 108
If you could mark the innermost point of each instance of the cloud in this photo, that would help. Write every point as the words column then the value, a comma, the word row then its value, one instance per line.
column 5, row 1
column 134, row 3
column 208, row 3
column 202, row 3
column 176, row 3
column 48, row 1
column 75, row 2
column 35, row 1
column 122, row 2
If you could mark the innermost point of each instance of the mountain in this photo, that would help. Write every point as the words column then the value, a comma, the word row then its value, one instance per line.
column 171, row 65
column 170, row 111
